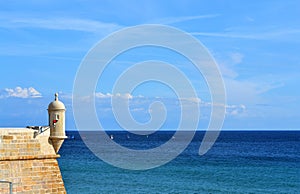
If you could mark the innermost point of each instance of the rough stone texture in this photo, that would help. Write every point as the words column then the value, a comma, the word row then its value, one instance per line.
column 29, row 162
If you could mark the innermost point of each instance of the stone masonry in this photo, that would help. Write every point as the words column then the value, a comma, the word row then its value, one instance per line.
column 28, row 161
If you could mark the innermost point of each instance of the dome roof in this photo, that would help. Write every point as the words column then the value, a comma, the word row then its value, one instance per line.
column 56, row 104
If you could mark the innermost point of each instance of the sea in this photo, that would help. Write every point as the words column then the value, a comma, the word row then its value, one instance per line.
column 238, row 162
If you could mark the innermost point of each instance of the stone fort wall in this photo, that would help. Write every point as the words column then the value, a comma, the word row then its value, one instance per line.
column 28, row 161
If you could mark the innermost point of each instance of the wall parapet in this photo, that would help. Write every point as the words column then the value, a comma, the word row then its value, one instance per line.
column 29, row 162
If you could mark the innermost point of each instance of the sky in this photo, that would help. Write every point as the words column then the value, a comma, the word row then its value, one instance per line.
column 256, row 45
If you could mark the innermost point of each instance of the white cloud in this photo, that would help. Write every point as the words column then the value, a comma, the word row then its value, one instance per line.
column 141, row 109
column 19, row 92
column 228, row 63
column 61, row 24
column 101, row 95
column 31, row 44
column 125, row 96
column 227, row 71
column 109, row 95
column 193, row 100
column 273, row 34
column 249, row 91
column 265, row 87
column 236, row 57
column 140, row 105
column 172, row 20
column 234, row 110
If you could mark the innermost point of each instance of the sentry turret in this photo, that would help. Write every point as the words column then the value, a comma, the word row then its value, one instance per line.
column 56, row 112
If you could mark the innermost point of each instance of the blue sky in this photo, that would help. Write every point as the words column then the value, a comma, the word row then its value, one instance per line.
column 255, row 43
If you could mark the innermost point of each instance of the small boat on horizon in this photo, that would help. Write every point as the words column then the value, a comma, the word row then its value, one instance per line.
column 71, row 137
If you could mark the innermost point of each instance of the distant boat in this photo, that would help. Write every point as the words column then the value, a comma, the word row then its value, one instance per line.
column 111, row 137
column 71, row 137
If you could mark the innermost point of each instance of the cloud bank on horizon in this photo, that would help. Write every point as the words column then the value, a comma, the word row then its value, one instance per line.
column 256, row 45
column 19, row 92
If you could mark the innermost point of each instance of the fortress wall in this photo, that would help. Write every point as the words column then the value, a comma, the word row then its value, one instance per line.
column 28, row 161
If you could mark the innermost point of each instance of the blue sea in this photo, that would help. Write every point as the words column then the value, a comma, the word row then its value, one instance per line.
column 239, row 162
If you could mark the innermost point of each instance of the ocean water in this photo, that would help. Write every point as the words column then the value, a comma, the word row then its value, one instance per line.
column 239, row 162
